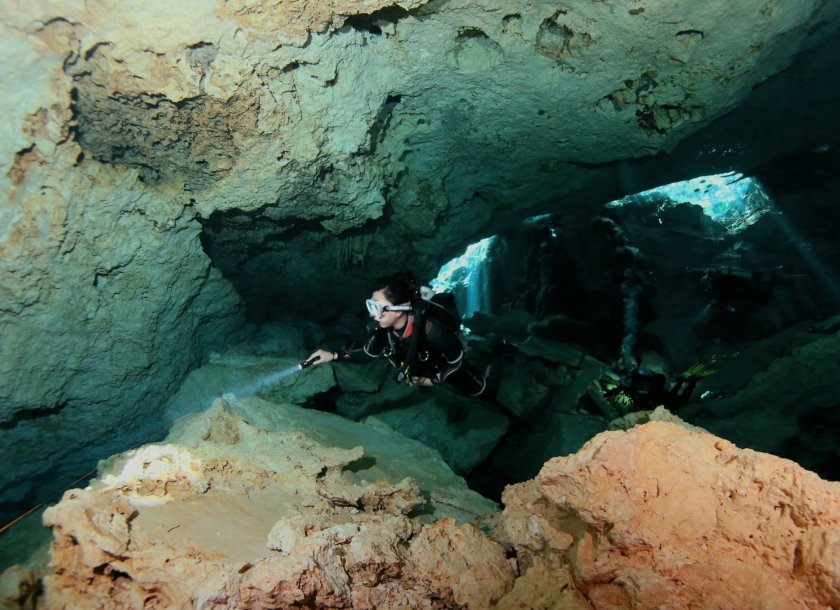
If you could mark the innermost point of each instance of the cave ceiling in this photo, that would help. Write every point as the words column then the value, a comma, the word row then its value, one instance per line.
column 339, row 139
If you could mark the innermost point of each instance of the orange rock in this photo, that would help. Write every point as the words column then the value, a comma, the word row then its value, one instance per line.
column 667, row 517
column 660, row 516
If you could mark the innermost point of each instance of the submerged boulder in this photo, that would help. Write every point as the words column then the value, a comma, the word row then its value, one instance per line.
column 306, row 509
column 250, row 511
column 666, row 515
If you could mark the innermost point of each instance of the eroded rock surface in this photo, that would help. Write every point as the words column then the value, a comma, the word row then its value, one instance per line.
column 249, row 518
column 662, row 515
column 156, row 154
column 665, row 516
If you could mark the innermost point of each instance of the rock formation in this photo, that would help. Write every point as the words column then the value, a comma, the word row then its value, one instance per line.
column 664, row 516
column 226, row 514
column 229, row 515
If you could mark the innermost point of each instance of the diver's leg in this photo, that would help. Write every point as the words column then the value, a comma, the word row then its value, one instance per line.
column 484, row 386
column 492, row 379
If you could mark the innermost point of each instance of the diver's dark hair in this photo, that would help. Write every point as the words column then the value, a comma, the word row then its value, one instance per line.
column 399, row 287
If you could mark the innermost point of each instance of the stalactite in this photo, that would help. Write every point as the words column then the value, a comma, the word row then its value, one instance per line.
column 352, row 251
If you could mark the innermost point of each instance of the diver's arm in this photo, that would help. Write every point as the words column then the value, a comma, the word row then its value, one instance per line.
column 321, row 356
column 357, row 356
column 371, row 351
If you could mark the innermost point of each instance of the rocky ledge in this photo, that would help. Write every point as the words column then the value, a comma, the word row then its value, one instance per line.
column 243, row 508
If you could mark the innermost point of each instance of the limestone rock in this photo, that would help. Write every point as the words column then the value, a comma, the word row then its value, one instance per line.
column 526, row 387
column 663, row 515
column 462, row 429
column 660, row 515
column 445, row 549
column 359, row 404
column 249, row 518
column 19, row 588
column 637, row 418
column 788, row 382
column 156, row 154
column 275, row 379
column 363, row 379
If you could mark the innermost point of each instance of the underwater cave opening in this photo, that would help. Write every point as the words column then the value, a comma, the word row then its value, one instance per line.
column 705, row 278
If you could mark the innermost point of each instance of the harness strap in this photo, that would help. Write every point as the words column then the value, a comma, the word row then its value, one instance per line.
column 418, row 320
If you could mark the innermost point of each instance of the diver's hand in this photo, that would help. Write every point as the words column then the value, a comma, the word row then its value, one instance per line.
column 421, row 381
column 321, row 356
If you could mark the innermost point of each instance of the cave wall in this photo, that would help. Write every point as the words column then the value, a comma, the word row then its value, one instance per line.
column 347, row 137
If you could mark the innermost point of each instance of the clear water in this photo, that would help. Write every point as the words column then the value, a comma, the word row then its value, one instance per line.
column 265, row 381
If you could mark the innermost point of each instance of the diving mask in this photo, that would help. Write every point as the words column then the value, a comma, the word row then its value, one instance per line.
column 377, row 308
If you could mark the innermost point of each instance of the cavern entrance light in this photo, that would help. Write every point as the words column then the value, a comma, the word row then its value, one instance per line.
column 731, row 199
column 466, row 276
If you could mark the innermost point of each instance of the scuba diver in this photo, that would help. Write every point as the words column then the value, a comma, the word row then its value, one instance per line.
column 737, row 289
column 643, row 389
column 420, row 337
column 735, row 299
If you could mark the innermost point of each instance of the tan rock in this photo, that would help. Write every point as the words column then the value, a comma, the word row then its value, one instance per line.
column 663, row 516
column 19, row 588
column 482, row 573
column 227, row 515
column 658, row 516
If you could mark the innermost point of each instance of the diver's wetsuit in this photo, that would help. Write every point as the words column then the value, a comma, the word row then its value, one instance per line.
column 429, row 349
